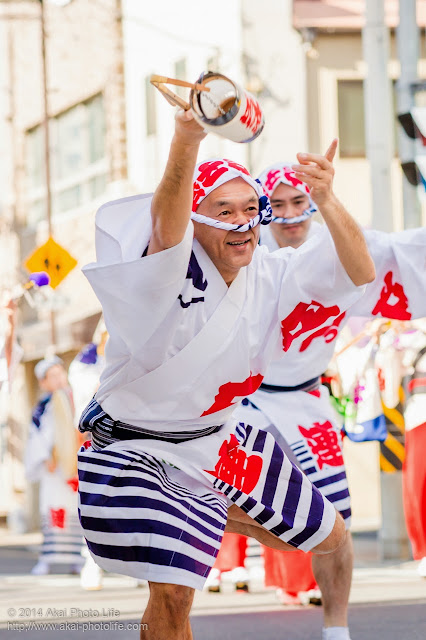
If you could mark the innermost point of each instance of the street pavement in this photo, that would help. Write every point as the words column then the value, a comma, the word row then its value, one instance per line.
column 368, row 622
column 387, row 601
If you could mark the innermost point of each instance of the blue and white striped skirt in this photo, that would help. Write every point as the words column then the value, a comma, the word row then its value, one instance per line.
column 62, row 545
column 157, row 510
column 307, row 430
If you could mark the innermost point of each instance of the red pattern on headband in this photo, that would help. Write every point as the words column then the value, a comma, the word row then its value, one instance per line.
column 212, row 174
column 281, row 173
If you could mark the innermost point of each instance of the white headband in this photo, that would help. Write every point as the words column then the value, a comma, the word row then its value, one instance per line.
column 212, row 174
column 282, row 172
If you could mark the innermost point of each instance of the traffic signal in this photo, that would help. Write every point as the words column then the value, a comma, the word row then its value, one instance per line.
column 414, row 125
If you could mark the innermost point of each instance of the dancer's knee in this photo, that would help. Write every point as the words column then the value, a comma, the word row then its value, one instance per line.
column 335, row 539
column 174, row 601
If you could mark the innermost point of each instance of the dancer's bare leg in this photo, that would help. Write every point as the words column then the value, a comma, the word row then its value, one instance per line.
column 240, row 522
column 167, row 612
column 333, row 573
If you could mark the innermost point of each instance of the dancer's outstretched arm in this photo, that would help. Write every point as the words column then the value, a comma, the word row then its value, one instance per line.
column 172, row 201
column 318, row 173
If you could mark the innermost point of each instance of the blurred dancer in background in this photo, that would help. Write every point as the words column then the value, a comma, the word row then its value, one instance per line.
column 51, row 460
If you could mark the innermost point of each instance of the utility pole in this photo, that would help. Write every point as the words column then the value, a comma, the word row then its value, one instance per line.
column 116, row 102
column 379, row 133
column 378, row 113
column 46, row 119
column 46, row 146
column 12, row 120
column 407, row 35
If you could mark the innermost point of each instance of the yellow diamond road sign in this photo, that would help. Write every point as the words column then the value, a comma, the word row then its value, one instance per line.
column 53, row 259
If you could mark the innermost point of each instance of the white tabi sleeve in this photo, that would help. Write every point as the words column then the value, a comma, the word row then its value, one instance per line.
column 135, row 292
column 315, row 292
column 398, row 292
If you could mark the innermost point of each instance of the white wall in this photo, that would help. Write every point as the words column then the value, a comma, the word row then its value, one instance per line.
column 5, row 163
column 154, row 41
column 277, row 59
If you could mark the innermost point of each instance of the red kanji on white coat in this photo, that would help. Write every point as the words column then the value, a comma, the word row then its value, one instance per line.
column 324, row 444
column 306, row 317
column 393, row 303
column 230, row 392
column 236, row 468
column 330, row 333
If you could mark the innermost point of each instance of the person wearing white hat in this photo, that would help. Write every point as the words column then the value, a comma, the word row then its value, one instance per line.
column 50, row 459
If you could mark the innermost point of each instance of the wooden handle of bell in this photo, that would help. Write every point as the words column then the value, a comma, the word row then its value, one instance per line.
column 171, row 97
column 179, row 83
column 176, row 101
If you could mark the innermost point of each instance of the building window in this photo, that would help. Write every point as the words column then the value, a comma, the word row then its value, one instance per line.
column 77, row 157
column 35, row 160
column 350, row 97
column 150, row 108
column 97, row 127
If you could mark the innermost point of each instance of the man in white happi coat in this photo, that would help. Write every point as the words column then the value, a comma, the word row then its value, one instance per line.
column 290, row 403
column 193, row 310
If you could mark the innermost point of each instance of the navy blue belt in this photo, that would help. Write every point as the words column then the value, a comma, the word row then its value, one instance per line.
column 309, row 385
column 105, row 430
column 121, row 431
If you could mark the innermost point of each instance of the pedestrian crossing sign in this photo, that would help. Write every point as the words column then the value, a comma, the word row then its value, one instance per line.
column 52, row 258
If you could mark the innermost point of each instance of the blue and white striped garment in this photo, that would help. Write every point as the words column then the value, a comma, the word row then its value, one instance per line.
column 333, row 485
column 62, row 545
column 157, row 510
column 301, row 445
column 140, row 520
